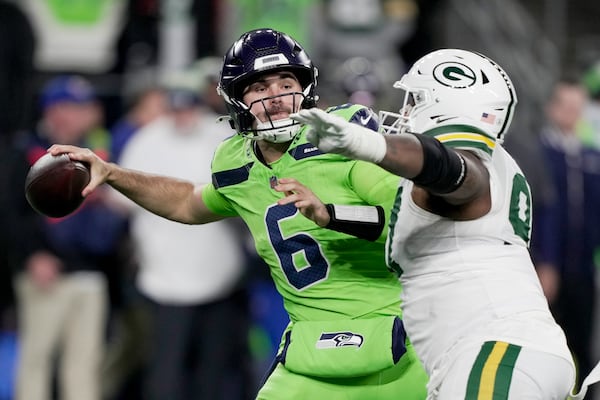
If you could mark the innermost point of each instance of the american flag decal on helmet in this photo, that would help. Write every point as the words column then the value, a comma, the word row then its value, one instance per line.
column 489, row 118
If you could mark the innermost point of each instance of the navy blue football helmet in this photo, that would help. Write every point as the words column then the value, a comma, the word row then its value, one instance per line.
column 253, row 54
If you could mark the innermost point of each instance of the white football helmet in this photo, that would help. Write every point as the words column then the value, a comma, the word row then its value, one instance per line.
column 451, row 86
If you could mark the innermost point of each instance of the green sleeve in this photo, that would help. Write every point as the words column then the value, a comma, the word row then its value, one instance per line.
column 216, row 202
column 373, row 184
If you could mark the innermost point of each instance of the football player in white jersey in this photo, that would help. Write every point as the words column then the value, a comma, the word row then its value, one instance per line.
column 459, row 235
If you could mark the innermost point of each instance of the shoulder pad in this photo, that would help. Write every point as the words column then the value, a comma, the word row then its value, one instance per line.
column 357, row 114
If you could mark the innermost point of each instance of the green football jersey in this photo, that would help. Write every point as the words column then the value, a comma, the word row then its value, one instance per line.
column 321, row 274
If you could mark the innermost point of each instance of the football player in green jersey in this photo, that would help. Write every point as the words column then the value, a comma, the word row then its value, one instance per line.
column 345, row 339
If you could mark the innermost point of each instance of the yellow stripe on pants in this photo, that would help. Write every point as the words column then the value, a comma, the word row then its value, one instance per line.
column 488, row 375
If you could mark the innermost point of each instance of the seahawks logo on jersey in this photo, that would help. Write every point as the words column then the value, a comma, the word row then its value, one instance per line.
column 339, row 339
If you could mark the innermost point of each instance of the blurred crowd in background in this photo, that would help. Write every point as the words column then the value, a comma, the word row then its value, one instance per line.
column 114, row 303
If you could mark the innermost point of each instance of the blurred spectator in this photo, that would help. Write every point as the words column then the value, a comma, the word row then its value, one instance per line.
column 17, row 45
column 591, row 80
column 208, row 69
column 190, row 275
column 573, row 221
column 144, row 107
column 62, row 294
column 15, row 217
column 149, row 102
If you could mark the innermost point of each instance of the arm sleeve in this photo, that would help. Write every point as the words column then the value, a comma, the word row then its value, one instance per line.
column 374, row 185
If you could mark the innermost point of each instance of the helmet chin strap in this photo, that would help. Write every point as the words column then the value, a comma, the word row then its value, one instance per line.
column 279, row 131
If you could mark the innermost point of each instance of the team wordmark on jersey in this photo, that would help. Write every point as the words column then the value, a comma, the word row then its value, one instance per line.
column 304, row 151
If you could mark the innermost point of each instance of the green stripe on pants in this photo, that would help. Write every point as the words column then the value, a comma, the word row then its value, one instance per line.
column 492, row 371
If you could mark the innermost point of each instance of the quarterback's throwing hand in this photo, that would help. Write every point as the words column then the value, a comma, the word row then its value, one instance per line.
column 333, row 134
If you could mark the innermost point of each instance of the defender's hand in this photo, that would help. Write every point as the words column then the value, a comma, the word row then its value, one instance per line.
column 332, row 134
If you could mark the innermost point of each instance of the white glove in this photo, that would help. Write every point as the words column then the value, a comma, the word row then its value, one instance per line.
column 333, row 134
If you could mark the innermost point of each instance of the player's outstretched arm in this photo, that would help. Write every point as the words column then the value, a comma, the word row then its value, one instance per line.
column 457, row 176
column 333, row 134
column 171, row 198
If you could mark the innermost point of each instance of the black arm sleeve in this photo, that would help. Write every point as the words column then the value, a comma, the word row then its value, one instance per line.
column 444, row 170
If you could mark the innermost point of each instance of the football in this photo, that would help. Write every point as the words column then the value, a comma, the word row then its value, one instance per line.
column 54, row 183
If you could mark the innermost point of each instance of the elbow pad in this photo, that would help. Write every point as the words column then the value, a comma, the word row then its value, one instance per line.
column 444, row 170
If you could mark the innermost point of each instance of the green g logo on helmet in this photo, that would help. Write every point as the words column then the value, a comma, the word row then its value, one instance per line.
column 454, row 75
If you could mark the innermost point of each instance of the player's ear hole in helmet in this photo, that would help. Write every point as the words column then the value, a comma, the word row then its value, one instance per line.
column 255, row 53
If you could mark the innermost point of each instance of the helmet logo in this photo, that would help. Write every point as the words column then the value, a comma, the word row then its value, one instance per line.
column 454, row 75
column 270, row 61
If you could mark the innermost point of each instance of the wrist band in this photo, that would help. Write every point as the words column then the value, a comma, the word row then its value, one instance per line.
column 363, row 222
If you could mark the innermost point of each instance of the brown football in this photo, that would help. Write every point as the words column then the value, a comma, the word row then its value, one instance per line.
column 54, row 183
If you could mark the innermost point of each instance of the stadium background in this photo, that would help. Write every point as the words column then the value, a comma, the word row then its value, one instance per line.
column 123, row 46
